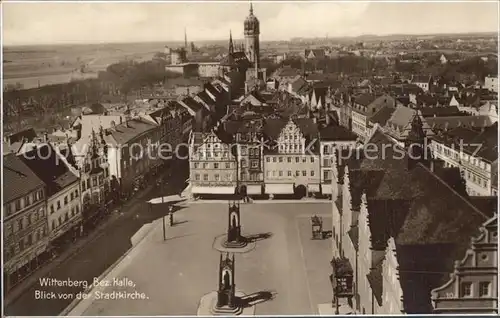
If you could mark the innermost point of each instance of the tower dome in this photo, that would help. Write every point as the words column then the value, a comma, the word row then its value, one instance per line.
column 251, row 24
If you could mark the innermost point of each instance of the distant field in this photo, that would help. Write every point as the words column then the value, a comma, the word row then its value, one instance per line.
column 33, row 66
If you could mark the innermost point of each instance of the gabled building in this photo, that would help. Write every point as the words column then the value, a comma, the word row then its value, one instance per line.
column 291, row 156
column 213, row 163
column 132, row 149
column 365, row 106
column 423, row 81
column 64, row 208
column 473, row 285
column 474, row 152
column 402, row 222
column 25, row 232
column 314, row 54
column 399, row 124
column 247, row 133
column 332, row 137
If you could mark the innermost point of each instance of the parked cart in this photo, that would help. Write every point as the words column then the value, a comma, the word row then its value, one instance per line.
column 317, row 227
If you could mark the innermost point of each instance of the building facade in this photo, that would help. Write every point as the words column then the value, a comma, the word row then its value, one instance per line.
column 474, row 152
column 292, row 163
column 24, row 221
column 491, row 83
column 213, row 166
column 132, row 149
column 473, row 287
column 332, row 138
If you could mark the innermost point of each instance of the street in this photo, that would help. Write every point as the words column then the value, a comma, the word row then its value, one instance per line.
column 95, row 257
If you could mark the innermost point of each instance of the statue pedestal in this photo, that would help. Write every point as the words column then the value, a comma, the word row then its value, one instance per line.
column 220, row 244
column 235, row 244
column 208, row 307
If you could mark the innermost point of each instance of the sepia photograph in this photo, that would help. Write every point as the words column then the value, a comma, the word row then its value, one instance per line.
column 249, row 158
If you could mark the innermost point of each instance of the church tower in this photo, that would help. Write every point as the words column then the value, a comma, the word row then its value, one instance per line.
column 252, row 32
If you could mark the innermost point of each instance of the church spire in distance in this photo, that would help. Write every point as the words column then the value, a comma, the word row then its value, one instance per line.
column 231, row 47
column 251, row 8
column 185, row 39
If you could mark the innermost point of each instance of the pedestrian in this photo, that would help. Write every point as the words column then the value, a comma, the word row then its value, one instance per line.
column 171, row 215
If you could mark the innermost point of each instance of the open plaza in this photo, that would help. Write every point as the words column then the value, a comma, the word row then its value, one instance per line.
column 173, row 275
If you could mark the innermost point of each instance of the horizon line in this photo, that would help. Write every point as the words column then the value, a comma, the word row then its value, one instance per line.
column 262, row 41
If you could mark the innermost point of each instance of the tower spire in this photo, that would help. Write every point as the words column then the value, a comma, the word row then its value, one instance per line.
column 231, row 47
column 251, row 8
column 185, row 39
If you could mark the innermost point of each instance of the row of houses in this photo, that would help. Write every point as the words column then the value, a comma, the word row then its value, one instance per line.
column 75, row 175
column 259, row 154
column 414, row 240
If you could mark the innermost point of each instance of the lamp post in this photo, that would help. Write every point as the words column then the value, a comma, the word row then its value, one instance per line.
column 342, row 281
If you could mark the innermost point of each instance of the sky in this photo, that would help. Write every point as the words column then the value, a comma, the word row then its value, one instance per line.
column 107, row 22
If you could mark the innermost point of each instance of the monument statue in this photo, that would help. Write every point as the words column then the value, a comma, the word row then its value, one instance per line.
column 226, row 292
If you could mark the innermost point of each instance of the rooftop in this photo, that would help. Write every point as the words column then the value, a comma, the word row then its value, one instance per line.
column 127, row 131
column 50, row 168
column 19, row 179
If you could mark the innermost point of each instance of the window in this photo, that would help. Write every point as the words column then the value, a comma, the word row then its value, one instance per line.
column 304, row 173
column 466, row 289
column 195, row 165
column 484, row 289
column 326, row 175
column 66, row 200
column 205, row 177
column 289, row 173
column 205, row 165
column 312, row 159
column 289, row 159
column 297, row 173
column 53, row 224
column 51, row 209
column 228, row 165
column 217, row 177
column 58, row 205
column 30, row 239
column 312, row 173
column 21, row 245
column 27, row 201
column 216, row 165
column 274, row 159
column 77, row 209
column 280, row 173
column 20, row 224
column 297, row 159
column 18, row 205
column 255, row 163
column 29, row 219
column 268, row 159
